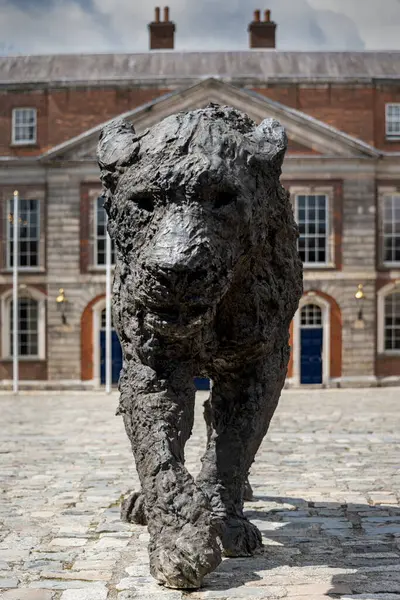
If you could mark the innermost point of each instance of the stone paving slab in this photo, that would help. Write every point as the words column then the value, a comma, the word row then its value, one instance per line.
column 326, row 483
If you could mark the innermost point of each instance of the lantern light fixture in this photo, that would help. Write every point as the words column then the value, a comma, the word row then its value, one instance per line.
column 62, row 305
column 360, row 298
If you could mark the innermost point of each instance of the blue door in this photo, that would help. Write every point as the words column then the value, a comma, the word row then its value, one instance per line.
column 116, row 353
column 202, row 383
column 311, row 355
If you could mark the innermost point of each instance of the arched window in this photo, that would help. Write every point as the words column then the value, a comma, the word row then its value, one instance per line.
column 31, row 325
column 311, row 316
column 392, row 321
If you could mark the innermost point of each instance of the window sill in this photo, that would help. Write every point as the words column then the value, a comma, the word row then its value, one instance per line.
column 389, row 266
column 24, row 144
column 389, row 354
column 392, row 138
column 25, row 270
column 319, row 267
column 99, row 269
column 8, row 359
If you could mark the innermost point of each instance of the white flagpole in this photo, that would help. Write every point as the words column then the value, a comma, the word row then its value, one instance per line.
column 108, row 315
column 15, row 293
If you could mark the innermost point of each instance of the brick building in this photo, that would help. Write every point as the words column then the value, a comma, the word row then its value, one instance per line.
column 341, row 111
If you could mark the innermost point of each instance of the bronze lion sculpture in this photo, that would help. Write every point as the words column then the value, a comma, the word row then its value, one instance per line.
column 207, row 281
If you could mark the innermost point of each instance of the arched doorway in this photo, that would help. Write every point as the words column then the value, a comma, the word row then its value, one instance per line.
column 312, row 341
column 311, row 344
column 116, row 352
column 96, row 316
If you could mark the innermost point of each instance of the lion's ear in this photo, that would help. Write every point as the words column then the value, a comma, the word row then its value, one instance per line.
column 118, row 146
column 270, row 142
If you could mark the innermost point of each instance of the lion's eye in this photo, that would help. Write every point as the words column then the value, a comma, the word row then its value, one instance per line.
column 145, row 203
column 224, row 198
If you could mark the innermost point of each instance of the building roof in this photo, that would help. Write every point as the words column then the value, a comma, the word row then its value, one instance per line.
column 170, row 66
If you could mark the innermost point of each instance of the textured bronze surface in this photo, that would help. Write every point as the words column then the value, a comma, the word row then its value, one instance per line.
column 207, row 281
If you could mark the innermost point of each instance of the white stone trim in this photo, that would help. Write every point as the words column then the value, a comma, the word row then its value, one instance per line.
column 97, row 309
column 355, row 379
column 326, row 337
column 381, row 295
column 5, row 303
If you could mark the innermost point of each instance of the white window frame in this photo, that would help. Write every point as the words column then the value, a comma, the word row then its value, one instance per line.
column 329, row 238
column 39, row 239
column 6, row 300
column 382, row 294
column 94, row 196
column 311, row 325
column 389, row 119
column 386, row 194
column 23, row 142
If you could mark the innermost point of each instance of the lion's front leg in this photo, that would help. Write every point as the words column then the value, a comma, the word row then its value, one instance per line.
column 158, row 417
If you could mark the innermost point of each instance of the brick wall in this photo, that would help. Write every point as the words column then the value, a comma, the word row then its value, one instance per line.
column 29, row 99
column 65, row 113
column 358, row 110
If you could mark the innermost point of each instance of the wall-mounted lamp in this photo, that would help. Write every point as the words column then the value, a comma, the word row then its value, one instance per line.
column 62, row 305
column 360, row 298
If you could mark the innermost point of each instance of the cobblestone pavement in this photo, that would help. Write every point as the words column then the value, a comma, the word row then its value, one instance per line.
column 326, row 483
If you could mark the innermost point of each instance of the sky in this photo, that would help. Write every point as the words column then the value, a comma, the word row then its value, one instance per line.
column 74, row 26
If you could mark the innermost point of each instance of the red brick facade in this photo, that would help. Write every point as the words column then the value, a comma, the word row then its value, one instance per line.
column 65, row 113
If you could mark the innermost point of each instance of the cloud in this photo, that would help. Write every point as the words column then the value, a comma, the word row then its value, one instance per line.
column 54, row 26
column 377, row 22
column 49, row 27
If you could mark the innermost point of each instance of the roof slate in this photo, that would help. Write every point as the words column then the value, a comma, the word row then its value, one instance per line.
column 171, row 65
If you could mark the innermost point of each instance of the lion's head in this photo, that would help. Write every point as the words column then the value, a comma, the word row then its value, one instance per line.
column 187, row 201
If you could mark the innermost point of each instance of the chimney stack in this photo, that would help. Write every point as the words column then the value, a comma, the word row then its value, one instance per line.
column 161, row 32
column 262, row 33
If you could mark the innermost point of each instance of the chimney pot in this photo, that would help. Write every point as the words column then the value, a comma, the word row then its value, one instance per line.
column 162, row 33
column 262, row 33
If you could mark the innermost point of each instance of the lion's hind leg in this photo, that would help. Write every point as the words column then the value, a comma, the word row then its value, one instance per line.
column 241, row 407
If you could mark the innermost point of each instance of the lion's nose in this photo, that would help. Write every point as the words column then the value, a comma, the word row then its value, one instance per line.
column 179, row 246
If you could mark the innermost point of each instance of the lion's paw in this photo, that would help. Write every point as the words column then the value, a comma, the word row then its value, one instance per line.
column 240, row 537
column 180, row 560
column 133, row 509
